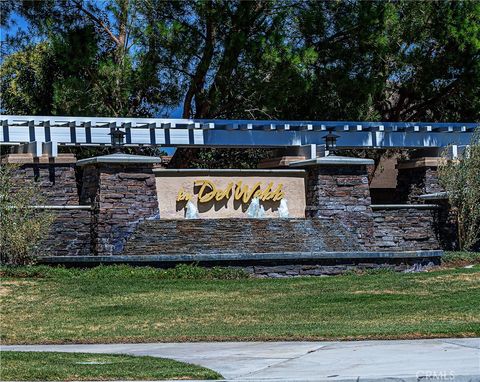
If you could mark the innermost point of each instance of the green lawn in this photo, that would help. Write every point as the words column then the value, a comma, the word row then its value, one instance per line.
column 44, row 366
column 124, row 304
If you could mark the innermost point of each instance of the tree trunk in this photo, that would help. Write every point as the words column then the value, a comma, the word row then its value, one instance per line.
column 198, row 80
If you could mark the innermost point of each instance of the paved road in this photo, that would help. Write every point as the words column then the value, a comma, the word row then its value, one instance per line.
column 425, row 360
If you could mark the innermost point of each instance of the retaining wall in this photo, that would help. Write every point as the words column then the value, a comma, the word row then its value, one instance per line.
column 70, row 233
column 405, row 228
column 396, row 228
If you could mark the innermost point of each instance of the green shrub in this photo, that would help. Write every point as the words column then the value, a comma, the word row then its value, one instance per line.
column 21, row 225
column 461, row 179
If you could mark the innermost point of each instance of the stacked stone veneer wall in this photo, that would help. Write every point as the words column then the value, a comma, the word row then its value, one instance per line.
column 338, row 267
column 446, row 226
column 217, row 236
column 70, row 234
column 57, row 183
column 405, row 229
column 123, row 195
column 395, row 230
column 341, row 193
column 417, row 181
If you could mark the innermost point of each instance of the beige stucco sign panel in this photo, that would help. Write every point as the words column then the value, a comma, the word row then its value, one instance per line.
column 228, row 193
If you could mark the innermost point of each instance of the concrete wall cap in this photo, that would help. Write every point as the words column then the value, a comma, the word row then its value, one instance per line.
column 404, row 206
column 435, row 196
column 228, row 171
column 333, row 161
column 119, row 158
column 227, row 257
column 28, row 158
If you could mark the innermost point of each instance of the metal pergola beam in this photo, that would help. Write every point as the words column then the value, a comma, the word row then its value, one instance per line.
column 43, row 133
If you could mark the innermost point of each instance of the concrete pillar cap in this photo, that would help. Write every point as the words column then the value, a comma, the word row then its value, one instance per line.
column 119, row 158
column 333, row 161
column 420, row 163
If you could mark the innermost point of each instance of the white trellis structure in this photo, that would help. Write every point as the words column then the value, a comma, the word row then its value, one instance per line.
column 43, row 134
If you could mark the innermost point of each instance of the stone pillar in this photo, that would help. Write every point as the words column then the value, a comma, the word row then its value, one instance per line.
column 337, row 188
column 417, row 182
column 417, row 177
column 122, row 190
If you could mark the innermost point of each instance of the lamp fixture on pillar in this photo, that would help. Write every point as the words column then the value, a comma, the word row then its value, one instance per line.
column 117, row 139
column 331, row 142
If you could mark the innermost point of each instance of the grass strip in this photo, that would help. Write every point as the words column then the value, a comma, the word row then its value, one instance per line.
column 53, row 366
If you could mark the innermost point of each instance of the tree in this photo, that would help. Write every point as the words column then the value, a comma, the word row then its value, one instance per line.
column 284, row 59
column 392, row 61
column 87, row 55
column 26, row 84
column 212, row 48
column 461, row 179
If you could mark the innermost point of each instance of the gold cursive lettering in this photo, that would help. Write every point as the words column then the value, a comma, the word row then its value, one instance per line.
column 239, row 191
column 209, row 191
column 278, row 194
column 202, row 196
column 183, row 195
column 225, row 193
column 252, row 194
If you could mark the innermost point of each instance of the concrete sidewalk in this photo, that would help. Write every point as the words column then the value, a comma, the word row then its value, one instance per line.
column 412, row 360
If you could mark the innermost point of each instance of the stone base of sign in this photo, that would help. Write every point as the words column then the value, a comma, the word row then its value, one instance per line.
column 119, row 213
column 274, row 265
column 234, row 236
column 395, row 230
